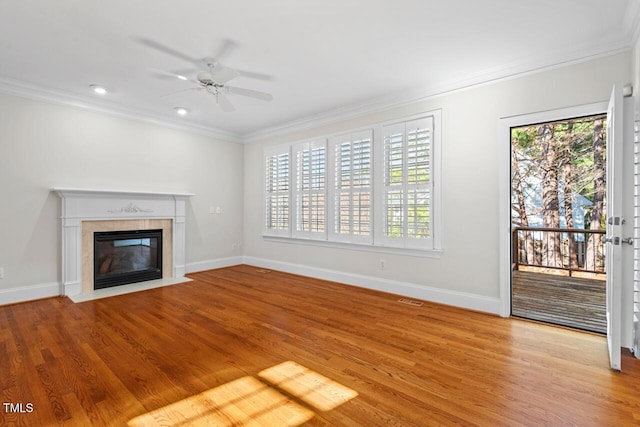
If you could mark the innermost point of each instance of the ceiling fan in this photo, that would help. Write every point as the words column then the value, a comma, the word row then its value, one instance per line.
column 214, row 77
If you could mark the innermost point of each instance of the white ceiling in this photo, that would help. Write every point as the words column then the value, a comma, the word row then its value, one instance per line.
column 325, row 57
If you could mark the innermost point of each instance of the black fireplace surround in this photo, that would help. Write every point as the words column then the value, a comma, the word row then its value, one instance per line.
column 122, row 257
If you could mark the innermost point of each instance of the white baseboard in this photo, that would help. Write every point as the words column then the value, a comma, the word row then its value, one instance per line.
column 194, row 267
column 442, row 296
column 47, row 290
column 28, row 293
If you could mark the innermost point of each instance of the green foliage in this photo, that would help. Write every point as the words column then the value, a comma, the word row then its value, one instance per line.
column 574, row 141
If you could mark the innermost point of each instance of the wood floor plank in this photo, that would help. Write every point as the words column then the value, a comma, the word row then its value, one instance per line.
column 199, row 352
column 575, row 302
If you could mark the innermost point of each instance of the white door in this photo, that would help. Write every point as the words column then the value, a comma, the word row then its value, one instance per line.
column 614, row 225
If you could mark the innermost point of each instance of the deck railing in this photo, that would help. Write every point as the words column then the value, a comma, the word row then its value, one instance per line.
column 559, row 248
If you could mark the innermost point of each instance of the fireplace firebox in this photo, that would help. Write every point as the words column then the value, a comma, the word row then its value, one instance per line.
column 122, row 257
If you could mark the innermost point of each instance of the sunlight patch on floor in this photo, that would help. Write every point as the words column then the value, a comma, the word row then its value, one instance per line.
column 307, row 385
column 248, row 401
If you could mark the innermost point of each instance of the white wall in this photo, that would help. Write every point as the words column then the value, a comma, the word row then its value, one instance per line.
column 467, row 273
column 44, row 145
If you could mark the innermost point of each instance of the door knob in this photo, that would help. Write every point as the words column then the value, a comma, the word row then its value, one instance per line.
column 628, row 241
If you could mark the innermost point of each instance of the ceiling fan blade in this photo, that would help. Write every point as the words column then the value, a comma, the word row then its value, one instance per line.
column 169, row 74
column 257, row 76
column 250, row 93
column 227, row 46
column 166, row 49
column 180, row 91
column 224, row 103
column 222, row 75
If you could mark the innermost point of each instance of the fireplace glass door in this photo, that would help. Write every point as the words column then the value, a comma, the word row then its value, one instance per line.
column 122, row 257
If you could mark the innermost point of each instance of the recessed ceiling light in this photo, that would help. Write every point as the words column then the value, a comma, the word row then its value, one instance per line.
column 181, row 111
column 100, row 90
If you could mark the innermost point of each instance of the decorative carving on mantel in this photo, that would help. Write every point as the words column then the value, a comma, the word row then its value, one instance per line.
column 130, row 208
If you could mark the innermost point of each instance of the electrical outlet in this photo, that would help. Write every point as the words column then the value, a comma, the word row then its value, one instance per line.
column 1, row 272
column 382, row 264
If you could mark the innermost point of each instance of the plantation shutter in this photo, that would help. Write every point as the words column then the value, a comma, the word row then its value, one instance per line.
column 277, row 191
column 351, row 190
column 407, row 183
column 310, row 188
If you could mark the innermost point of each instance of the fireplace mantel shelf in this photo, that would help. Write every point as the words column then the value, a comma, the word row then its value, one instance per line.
column 63, row 191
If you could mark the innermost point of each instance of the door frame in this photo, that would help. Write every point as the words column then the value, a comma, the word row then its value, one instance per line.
column 504, row 199
column 615, row 176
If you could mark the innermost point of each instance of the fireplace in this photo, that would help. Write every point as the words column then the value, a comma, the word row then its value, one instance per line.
column 88, row 211
column 128, row 256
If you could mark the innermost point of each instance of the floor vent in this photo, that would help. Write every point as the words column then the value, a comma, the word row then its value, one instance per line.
column 263, row 270
column 410, row 302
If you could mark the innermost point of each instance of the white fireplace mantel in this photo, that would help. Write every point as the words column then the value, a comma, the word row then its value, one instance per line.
column 79, row 205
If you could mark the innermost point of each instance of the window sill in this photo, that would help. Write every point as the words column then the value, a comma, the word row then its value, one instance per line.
column 422, row 253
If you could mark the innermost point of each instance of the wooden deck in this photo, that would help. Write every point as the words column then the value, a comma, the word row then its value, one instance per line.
column 575, row 302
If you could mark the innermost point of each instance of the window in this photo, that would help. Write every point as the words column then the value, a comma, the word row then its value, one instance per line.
column 310, row 189
column 376, row 187
column 351, row 196
column 277, row 165
column 407, row 186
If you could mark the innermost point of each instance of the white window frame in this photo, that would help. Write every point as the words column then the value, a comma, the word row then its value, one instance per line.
column 377, row 242
column 268, row 154
column 351, row 190
column 299, row 191
column 434, row 241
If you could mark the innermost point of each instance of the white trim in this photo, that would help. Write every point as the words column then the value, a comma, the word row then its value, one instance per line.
column 29, row 293
column 504, row 174
column 427, row 293
column 333, row 192
column 212, row 264
column 297, row 192
column 434, row 244
column 268, row 152
column 48, row 290
column 421, row 94
column 43, row 94
column 435, row 240
column 98, row 192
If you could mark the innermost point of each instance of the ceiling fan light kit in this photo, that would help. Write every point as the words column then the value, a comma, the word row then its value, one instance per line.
column 99, row 89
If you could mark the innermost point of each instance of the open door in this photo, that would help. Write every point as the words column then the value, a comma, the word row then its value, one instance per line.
column 614, row 224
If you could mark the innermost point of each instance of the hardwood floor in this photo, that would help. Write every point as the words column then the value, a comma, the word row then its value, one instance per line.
column 244, row 346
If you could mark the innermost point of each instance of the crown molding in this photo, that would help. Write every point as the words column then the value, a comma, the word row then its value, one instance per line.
column 43, row 94
column 347, row 112
column 421, row 94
